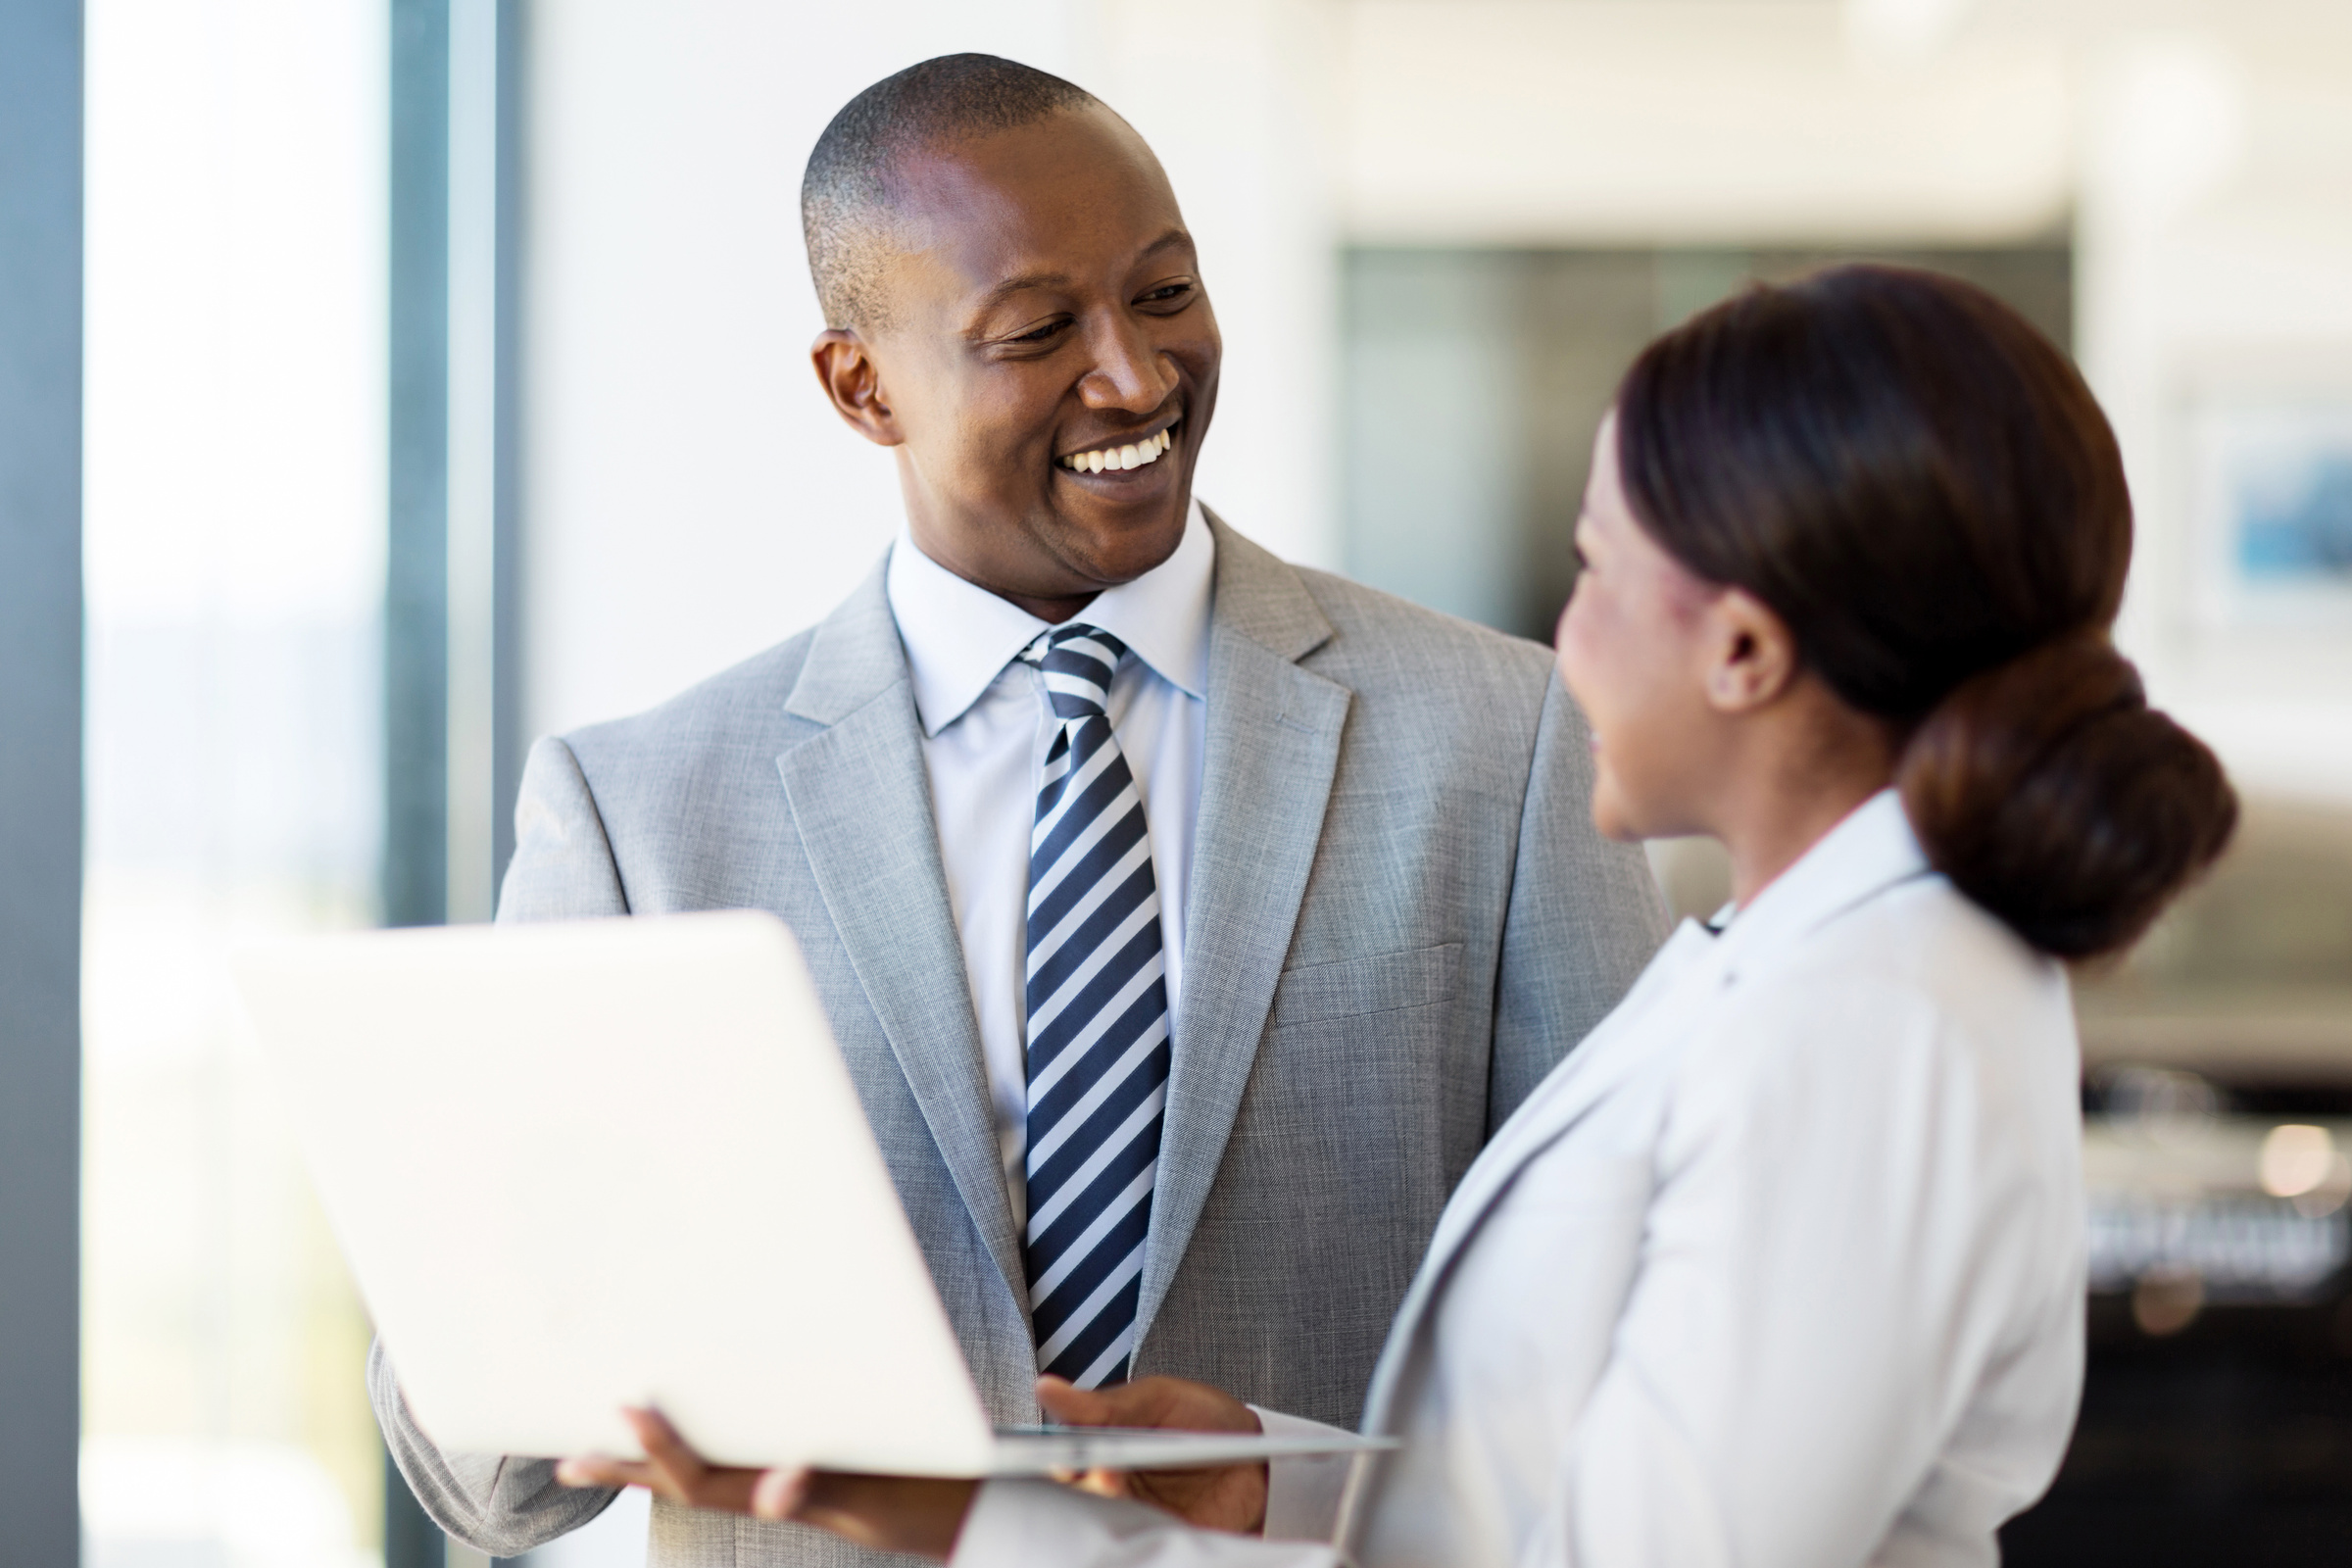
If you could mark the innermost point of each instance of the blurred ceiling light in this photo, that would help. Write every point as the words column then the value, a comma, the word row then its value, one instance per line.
column 1903, row 33
column 2166, row 125
column 2296, row 1160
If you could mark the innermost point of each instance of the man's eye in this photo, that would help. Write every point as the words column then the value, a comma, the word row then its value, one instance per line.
column 1039, row 334
column 1162, row 295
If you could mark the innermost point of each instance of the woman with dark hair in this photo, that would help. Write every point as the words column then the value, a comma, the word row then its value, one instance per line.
column 1783, row 1267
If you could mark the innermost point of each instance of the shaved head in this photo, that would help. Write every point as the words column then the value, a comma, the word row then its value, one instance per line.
column 847, row 199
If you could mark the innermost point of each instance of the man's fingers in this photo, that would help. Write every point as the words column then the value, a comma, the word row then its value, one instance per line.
column 1105, row 1483
column 1075, row 1407
column 779, row 1494
column 662, row 1444
column 1070, row 1404
column 901, row 1514
column 595, row 1470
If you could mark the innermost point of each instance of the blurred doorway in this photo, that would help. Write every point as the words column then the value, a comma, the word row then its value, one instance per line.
column 1473, row 382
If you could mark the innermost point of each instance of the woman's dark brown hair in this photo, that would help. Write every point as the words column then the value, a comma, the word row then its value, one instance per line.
column 1924, row 489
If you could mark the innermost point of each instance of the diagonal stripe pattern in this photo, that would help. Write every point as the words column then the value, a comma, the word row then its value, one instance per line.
column 1098, row 1036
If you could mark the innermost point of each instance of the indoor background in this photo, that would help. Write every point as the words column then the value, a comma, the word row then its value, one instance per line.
column 446, row 385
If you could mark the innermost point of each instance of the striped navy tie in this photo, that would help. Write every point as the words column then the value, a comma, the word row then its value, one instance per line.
column 1098, row 1032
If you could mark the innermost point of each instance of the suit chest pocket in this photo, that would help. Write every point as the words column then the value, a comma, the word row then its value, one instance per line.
column 1359, row 988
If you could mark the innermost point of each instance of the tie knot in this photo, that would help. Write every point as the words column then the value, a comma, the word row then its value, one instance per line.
column 1077, row 662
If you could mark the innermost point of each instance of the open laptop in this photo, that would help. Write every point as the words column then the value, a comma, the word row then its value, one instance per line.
column 577, row 1166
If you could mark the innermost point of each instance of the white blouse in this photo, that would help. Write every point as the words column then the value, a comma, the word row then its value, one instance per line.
column 1782, row 1268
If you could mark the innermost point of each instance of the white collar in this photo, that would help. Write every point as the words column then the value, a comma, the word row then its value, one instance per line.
column 1869, row 851
column 958, row 636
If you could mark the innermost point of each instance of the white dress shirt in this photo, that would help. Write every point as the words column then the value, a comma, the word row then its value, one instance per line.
column 986, row 727
column 1781, row 1267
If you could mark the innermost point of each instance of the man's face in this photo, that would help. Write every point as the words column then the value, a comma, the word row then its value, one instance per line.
column 1046, row 305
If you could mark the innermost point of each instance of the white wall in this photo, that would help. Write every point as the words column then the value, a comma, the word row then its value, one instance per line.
column 1745, row 122
column 2215, row 258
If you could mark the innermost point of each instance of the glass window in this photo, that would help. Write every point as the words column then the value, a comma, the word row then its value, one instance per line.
column 234, row 538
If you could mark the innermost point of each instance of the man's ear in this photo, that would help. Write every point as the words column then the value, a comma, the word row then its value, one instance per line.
column 1752, row 654
column 846, row 369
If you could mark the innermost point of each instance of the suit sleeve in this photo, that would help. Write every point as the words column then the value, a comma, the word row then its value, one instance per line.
column 495, row 1504
column 563, row 869
column 1585, row 918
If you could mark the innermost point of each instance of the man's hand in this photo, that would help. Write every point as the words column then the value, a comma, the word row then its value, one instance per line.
column 898, row 1513
column 1228, row 1497
column 894, row 1513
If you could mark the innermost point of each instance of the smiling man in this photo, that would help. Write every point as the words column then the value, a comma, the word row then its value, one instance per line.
column 1187, row 919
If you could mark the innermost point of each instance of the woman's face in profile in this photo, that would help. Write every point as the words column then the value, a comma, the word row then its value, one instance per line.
column 1634, row 654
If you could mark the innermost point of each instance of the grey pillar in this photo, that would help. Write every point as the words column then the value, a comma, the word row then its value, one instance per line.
column 509, row 742
column 40, row 780
column 452, row 728
column 417, row 549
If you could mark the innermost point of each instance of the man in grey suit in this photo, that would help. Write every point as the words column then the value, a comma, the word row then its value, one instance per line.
column 1187, row 919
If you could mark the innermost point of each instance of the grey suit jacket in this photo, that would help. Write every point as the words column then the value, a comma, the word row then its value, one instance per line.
column 1400, row 918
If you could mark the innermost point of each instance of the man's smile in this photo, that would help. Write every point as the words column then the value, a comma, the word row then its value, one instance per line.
column 1110, row 467
column 1133, row 455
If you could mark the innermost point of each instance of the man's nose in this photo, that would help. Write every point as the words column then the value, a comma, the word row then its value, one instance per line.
column 1129, row 372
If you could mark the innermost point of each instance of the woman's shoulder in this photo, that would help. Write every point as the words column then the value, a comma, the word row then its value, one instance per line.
column 1919, row 945
column 1926, row 934
column 1915, row 977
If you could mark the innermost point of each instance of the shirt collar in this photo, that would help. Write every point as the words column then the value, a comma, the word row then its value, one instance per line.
column 958, row 636
column 1869, row 851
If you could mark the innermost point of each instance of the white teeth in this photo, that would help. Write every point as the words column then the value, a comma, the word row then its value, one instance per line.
column 1117, row 458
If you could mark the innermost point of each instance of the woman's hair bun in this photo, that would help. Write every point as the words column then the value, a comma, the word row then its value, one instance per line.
column 2050, row 793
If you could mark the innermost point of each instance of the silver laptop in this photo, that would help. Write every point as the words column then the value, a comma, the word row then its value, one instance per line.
column 620, row 1163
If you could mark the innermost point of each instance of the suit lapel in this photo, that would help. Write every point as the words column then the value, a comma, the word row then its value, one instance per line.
column 860, row 798
column 1273, row 744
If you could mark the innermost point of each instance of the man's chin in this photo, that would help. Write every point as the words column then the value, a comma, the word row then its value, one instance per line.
column 1117, row 545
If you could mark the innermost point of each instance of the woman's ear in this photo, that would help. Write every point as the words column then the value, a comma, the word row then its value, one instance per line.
column 1752, row 658
column 846, row 369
